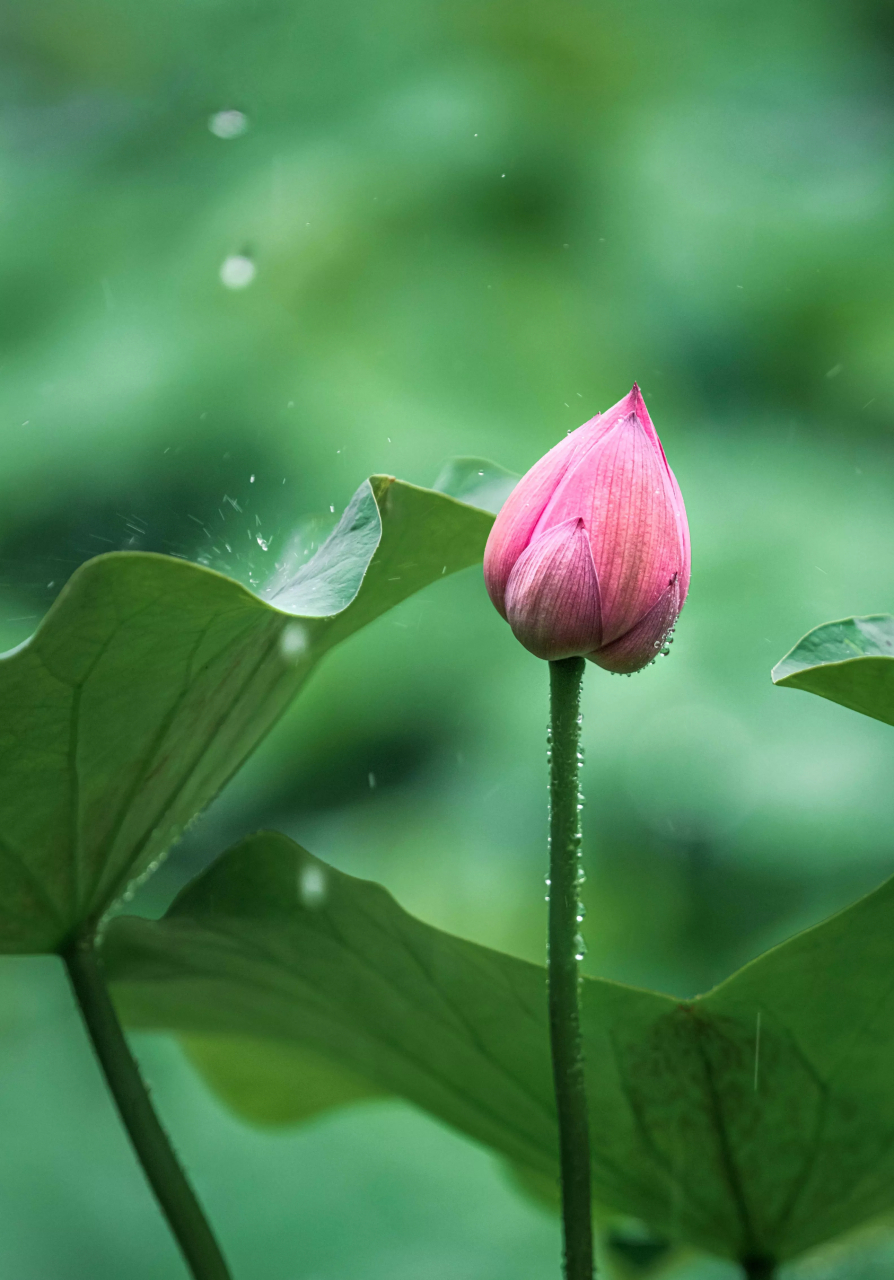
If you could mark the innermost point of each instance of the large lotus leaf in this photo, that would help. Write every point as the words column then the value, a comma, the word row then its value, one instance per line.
column 257, row 1079
column 151, row 679
column 851, row 662
column 756, row 1120
column 275, row 1083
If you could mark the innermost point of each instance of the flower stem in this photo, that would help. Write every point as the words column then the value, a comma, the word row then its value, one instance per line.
column 164, row 1174
column 565, row 678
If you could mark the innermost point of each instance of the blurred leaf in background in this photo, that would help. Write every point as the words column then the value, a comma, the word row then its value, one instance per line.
column 439, row 230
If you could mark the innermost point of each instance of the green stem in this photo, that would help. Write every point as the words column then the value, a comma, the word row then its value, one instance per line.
column 175, row 1196
column 565, row 679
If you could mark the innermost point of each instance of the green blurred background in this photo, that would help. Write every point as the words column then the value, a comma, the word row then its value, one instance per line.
column 437, row 229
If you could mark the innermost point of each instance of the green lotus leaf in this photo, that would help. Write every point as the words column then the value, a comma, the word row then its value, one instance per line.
column 851, row 662
column 151, row 679
column 757, row 1120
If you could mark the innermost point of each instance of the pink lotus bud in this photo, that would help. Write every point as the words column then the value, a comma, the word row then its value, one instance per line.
column 590, row 554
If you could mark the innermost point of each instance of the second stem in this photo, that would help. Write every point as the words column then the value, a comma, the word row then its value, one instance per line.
column 163, row 1171
column 565, row 949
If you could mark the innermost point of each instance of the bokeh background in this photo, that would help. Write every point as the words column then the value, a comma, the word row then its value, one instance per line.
column 255, row 250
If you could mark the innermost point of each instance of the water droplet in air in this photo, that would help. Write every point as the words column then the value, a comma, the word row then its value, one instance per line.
column 228, row 124
column 251, row 480
column 293, row 642
column 237, row 271
column 262, row 544
column 312, row 888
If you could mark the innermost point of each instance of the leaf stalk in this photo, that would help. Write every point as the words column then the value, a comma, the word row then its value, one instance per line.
column 565, row 948
column 162, row 1169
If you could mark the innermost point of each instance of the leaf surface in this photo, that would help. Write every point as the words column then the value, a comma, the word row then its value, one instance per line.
column 758, row 1119
column 478, row 481
column 151, row 679
column 851, row 662
column 256, row 1078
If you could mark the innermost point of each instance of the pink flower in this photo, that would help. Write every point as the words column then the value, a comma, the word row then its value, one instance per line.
column 590, row 554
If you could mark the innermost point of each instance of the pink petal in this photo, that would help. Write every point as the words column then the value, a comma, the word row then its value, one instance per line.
column 633, row 402
column 515, row 525
column 622, row 488
column 552, row 597
column 640, row 645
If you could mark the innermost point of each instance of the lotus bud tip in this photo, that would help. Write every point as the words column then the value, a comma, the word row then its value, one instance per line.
column 590, row 554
